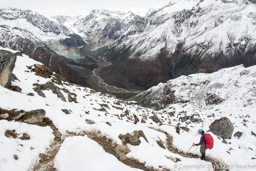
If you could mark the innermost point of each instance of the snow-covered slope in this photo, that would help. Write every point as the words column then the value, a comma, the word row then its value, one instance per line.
column 227, row 93
column 208, row 27
column 184, row 37
column 33, row 22
column 79, row 117
column 107, row 117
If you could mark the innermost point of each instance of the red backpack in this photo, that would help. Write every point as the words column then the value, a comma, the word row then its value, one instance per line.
column 137, row 119
column 208, row 141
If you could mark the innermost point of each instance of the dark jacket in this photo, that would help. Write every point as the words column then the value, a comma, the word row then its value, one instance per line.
column 202, row 141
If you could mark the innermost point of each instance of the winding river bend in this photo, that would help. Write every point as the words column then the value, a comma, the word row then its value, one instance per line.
column 103, row 85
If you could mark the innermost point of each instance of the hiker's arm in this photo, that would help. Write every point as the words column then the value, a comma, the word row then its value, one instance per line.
column 200, row 143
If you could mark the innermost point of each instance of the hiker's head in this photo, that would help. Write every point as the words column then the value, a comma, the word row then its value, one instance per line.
column 200, row 131
column 134, row 115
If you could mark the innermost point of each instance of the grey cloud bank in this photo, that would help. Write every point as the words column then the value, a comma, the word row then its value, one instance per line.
column 76, row 7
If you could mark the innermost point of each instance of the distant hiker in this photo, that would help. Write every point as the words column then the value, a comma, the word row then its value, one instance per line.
column 136, row 119
column 177, row 129
column 144, row 118
column 206, row 142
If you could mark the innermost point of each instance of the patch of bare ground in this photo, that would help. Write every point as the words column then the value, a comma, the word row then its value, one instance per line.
column 216, row 164
column 46, row 161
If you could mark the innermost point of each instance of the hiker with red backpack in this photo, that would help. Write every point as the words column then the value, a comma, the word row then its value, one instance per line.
column 136, row 119
column 206, row 142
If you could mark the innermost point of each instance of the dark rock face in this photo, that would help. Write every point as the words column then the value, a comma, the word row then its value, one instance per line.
column 222, row 127
column 133, row 73
column 136, row 74
column 7, row 63
column 74, row 40
column 213, row 99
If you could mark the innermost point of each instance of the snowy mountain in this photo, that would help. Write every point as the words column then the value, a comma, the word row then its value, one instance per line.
column 102, row 27
column 31, row 21
column 47, row 40
column 133, row 52
column 47, row 123
column 184, row 37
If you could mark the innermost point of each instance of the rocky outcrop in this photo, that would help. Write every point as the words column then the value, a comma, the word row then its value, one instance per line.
column 213, row 99
column 222, row 127
column 31, row 117
column 130, row 139
column 134, row 138
column 35, row 117
column 156, row 119
column 7, row 63
column 49, row 86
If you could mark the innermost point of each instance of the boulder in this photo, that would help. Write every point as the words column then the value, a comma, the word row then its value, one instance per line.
column 155, row 119
column 121, row 151
column 41, row 70
column 184, row 128
column 11, row 134
column 195, row 118
column 222, row 127
column 143, row 135
column 238, row 134
column 16, row 157
column 25, row 136
column 90, row 122
column 161, row 144
column 34, row 116
column 254, row 134
column 7, row 63
column 131, row 139
column 57, row 134
column 4, row 116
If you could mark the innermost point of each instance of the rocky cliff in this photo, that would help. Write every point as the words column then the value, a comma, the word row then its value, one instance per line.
column 7, row 63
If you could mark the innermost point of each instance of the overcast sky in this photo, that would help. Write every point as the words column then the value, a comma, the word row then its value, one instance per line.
column 76, row 7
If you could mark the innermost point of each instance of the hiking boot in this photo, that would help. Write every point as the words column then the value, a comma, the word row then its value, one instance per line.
column 203, row 157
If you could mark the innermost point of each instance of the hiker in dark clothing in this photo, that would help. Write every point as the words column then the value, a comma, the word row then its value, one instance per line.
column 144, row 118
column 202, row 143
column 177, row 129
column 136, row 119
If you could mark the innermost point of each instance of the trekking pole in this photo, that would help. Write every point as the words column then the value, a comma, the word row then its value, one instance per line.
column 189, row 148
